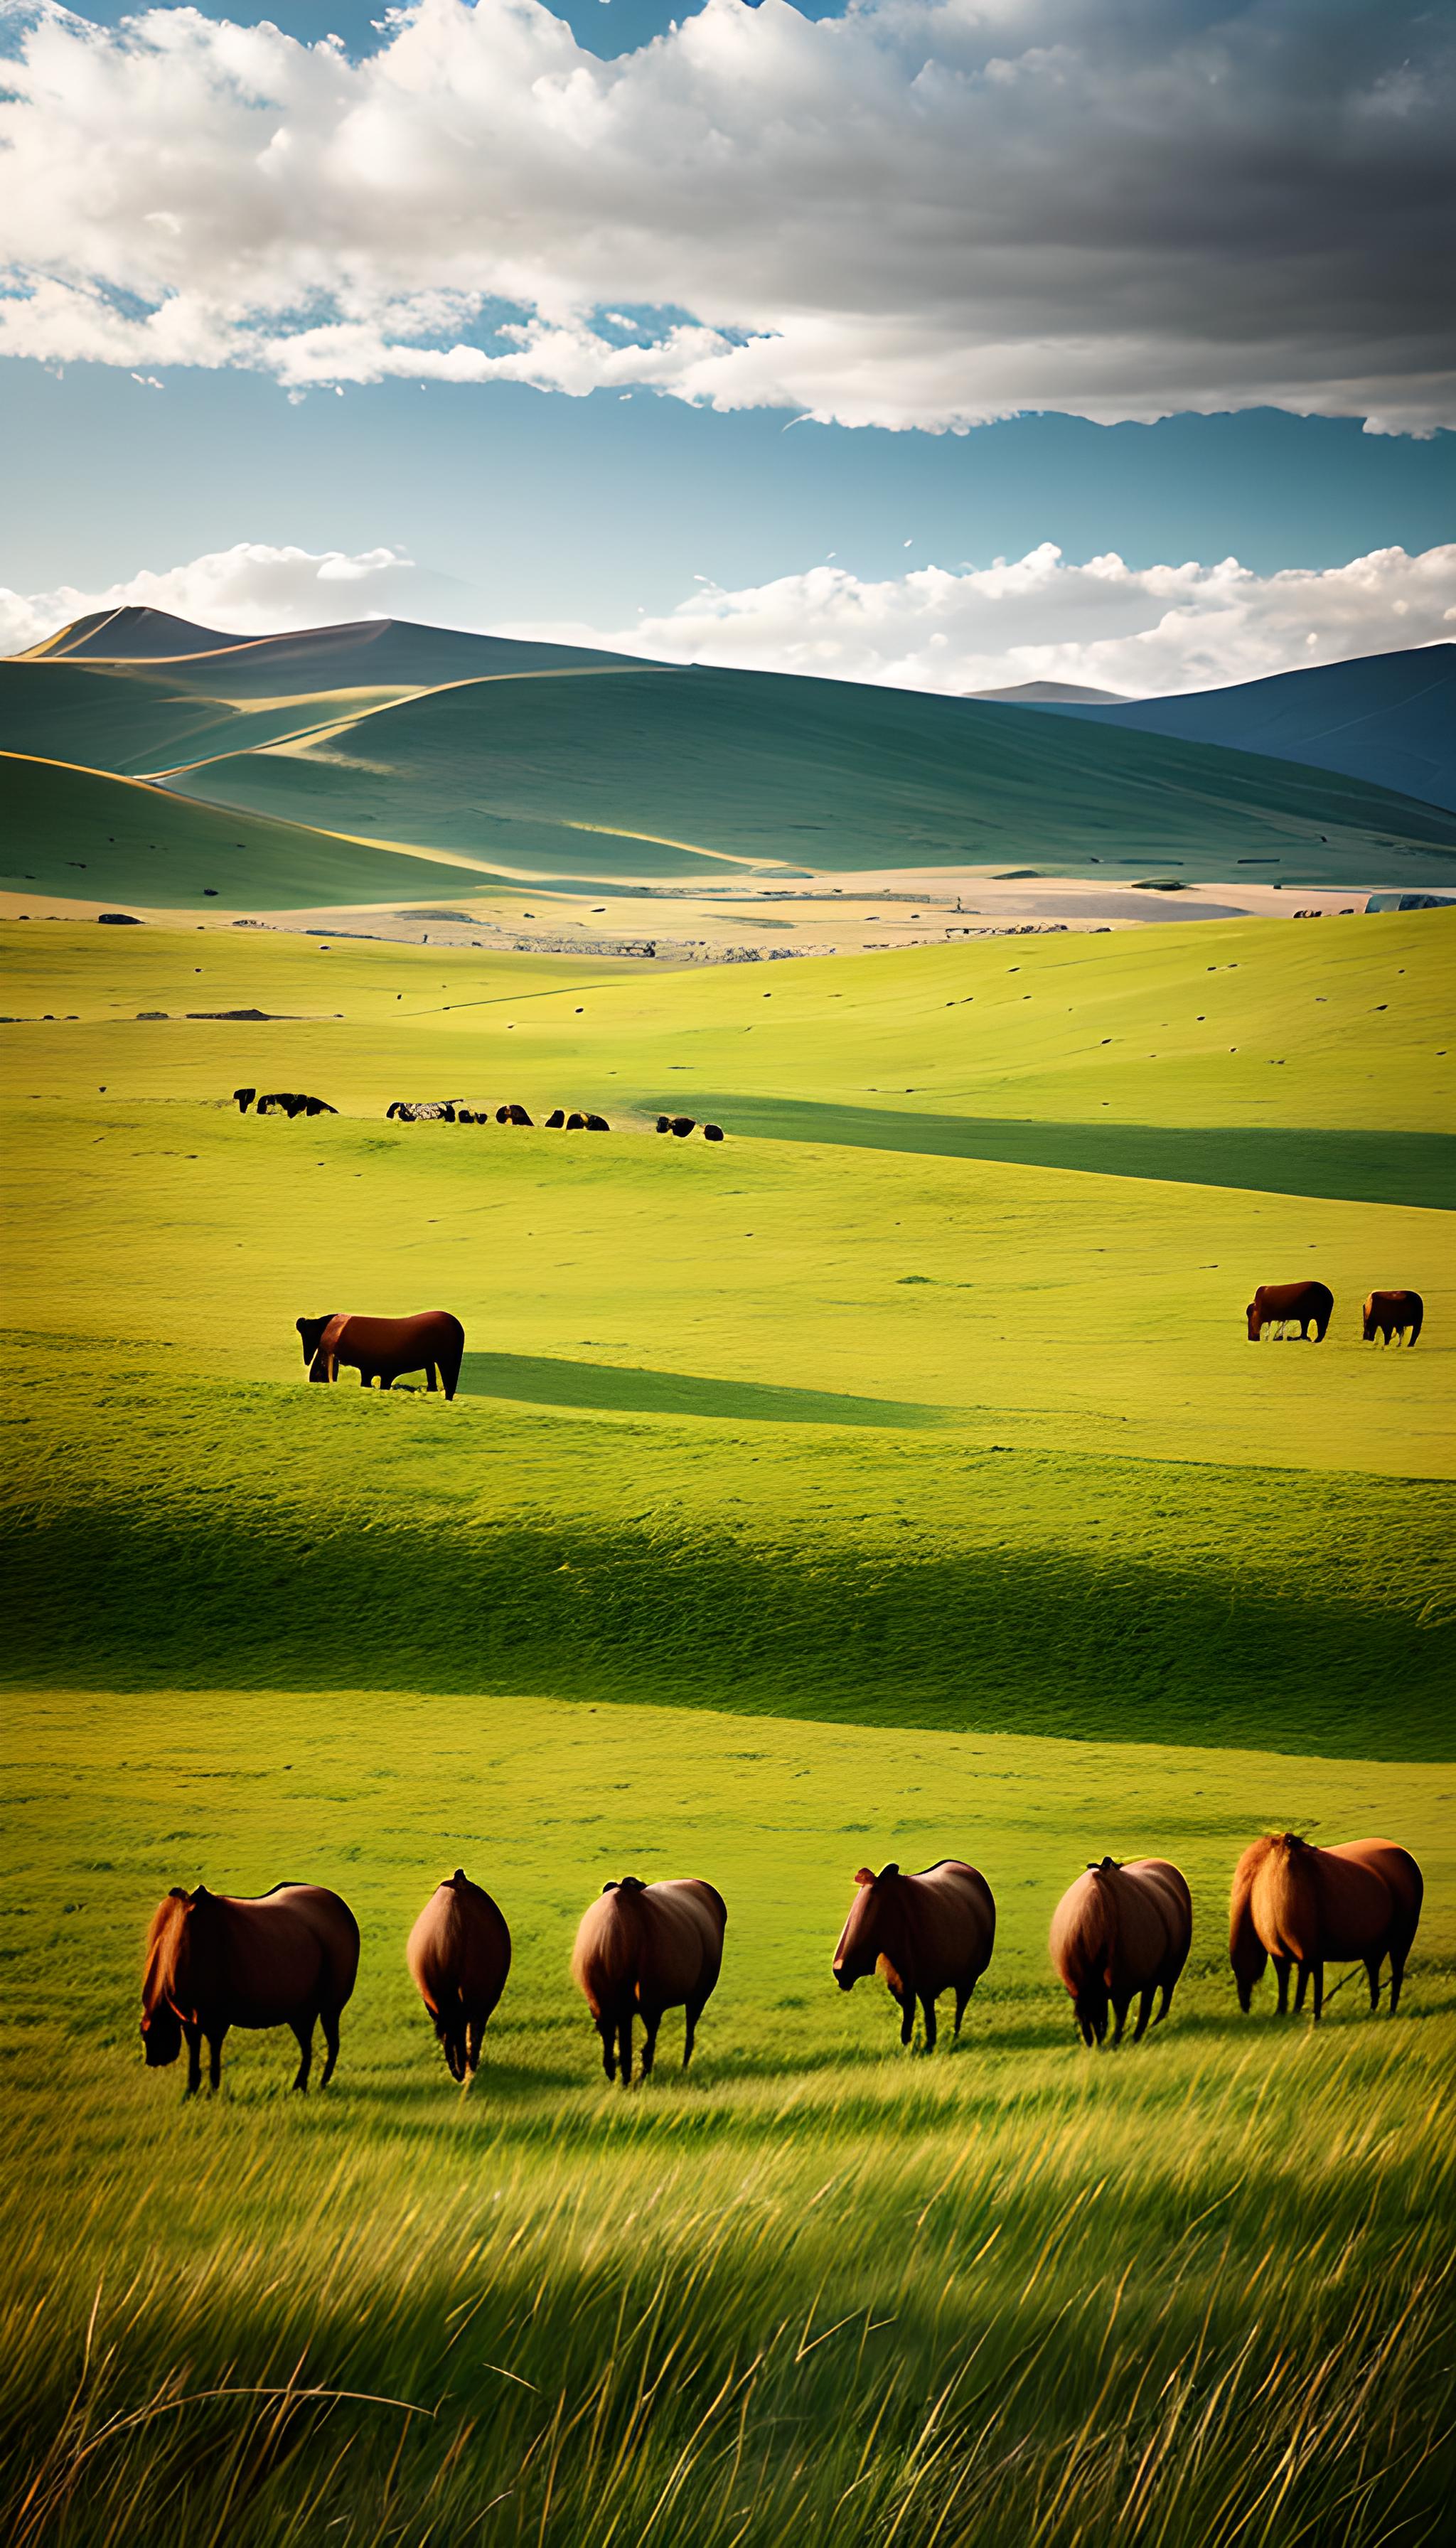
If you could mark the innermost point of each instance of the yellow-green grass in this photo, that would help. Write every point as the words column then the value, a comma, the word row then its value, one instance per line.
column 818, row 2291
column 831, row 1430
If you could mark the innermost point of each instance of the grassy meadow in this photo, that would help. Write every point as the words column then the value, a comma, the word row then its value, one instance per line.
column 810, row 1498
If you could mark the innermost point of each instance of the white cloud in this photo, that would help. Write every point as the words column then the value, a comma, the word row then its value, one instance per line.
column 1140, row 630
column 922, row 212
column 248, row 590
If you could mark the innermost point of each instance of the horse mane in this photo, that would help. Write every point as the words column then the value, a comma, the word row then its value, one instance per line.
column 162, row 1941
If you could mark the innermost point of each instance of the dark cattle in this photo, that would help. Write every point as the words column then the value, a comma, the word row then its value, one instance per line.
column 597, row 1124
column 398, row 1108
column 288, row 1957
column 1304, row 1304
column 681, row 1125
column 518, row 1115
column 464, row 1116
column 1306, row 1907
column 1121, row 1933
column 555, row 1120
column 927, row 1934
column 1393, row 1314
column 642, row 1949
column 575, row 1123
column 242, row 1098
column 712, row 1132
column 383, row 1349
column 664, row 1124
column 502, row 1113
column 317, row 1106
column 459, row 1953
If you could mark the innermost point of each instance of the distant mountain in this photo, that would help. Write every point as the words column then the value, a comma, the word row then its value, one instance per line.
column 1389, row 719
column 131, row 633
column 554, row 763
column 1048, row 695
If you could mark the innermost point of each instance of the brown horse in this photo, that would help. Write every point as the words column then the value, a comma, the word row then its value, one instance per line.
column 1305, row 1304
column 459, row 1953
column 1393, row 1314
column 927, row 1933
column 288, row 1957
column 642, row 1949
column 1303, row 1906
column 383, row 1349
column 1120, row 1933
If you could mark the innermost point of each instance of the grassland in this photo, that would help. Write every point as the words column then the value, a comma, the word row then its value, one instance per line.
column 936, row 1503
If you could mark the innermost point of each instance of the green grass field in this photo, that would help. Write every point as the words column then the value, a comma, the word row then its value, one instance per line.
column 831, row 1494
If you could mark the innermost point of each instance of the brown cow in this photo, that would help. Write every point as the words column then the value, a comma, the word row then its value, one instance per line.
column 1121, row 1933
column 927, row 1933
column 459, row 1954
column 382, row 1349
column 1305, row 1304
column 1305, row 1906
column 1393, row 1314
column 288, row 1957
column 642, row 1949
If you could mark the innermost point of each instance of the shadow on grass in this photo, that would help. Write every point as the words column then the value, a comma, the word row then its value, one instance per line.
column 543, row 1380
column 1340, row 1166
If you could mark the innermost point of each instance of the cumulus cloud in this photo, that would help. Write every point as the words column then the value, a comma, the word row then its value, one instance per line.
column 1140, row 630
column 922, row 212
column 246, row 592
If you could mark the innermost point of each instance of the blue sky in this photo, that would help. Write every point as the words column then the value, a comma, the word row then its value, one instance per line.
column 756, row 248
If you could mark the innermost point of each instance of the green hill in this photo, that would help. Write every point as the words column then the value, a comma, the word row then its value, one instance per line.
column 88, row 835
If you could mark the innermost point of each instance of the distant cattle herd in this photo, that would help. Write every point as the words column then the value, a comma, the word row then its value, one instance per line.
column 1282, row 1305
column 453, row 1109
column 1120, row 1933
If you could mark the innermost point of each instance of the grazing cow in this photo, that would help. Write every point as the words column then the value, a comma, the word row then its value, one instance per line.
column 288, row 1957
column 642, row 1949
column 681, row 1125
column 927, row 1933
column 1305, row 1304
column 465, row 1116
column 518, row 1115
column 712, row 1132
column 555, row 1120
column 317, row 1106
column 459, row 1953
column 664, row 1124
column 597, row 1124
column 1393, row 1314
column 502, row 1113
column 382, row 1349
column 242, row 1098
column 1303, row 1906
column 575, row 1123
column 1120, row 1933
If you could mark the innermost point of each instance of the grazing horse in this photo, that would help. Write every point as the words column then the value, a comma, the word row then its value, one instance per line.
column 1303, row 1906
column 927, row 1933
column 383, row 1349
column 1393, row 1314
column 1305, row 1304
column 1121, row 1933
column 642, row 1949
column 288, row 1957
column 459, row 1953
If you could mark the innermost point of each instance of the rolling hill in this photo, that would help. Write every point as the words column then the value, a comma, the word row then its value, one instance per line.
column 91, row 836
column 1387, row 719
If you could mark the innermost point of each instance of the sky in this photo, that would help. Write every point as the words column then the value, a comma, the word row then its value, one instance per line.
column 942, row 341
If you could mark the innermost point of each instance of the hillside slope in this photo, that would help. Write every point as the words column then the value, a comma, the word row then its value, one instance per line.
column 1388, row 719
column 86, row 834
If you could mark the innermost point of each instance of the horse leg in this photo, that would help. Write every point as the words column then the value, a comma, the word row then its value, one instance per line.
column 1169, row 1989
column 215, row 2058
column 651, row 2020
column 1318, row 1971
column 962, row 1995
column 608, row 2046
column 365, row 1375
column 624, row 2049
column 1119, row 2009
column 329, row 2019
column 1397, row 1975
column 474, row 2038
column 1302, row 1984
column 906, row 2008
column 1145, row 2011
column 429, row 1378
column 1372, row 1975
column 193, row 2035
column 1281, row 1972
column 695, row 2009
column 304, row 2029
column 928, row 2010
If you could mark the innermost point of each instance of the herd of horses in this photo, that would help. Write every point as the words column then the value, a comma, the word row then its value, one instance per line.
column 1310, row 1305
column 1120, row 1933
